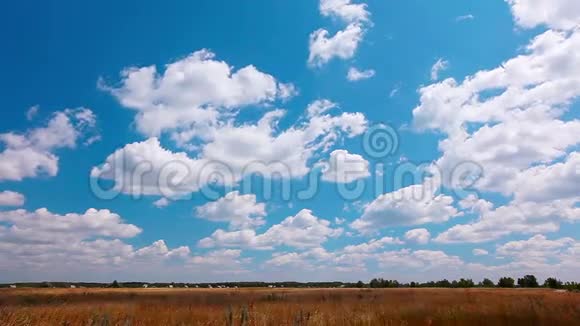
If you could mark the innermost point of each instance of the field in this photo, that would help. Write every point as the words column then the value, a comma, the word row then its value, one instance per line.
column 288, row 307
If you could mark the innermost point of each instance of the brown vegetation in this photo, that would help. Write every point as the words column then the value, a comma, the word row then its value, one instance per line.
column 288, row 307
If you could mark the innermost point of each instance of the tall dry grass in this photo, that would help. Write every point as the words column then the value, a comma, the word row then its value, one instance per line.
column 288, row 307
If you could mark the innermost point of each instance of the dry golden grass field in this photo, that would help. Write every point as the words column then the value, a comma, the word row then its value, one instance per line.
column 288, row 307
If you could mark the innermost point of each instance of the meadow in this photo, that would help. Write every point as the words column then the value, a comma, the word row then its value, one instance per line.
column 288, row 307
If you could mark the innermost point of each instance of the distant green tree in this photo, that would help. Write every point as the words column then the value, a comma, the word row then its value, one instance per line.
column 528, row 281
column 465, row 283
column 506, row 282
column 115, row 284
column 487, row 283
column 443, row 284
column 553, row 283
column 360, row 284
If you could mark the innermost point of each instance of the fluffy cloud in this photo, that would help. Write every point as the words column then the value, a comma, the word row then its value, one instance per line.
column 473, row 204
column 420, row 236
column 11, row 198
column 303, row 230
column 303, row 260
column 538, row 256
column 319, row 107
column 42, row 225
column 508, row 118
column 196, row 102
column 344, row 167
column 161, row 202
column 40, row 243
column 193, row 94
column 537, row 249
column 423, row 260
column 355, row 75
column 343, row 44
column 149, row 169
column 231, row 153
column 558, row 14
column 439, row 66
column 404, row 264
column 544, row 197
column 480, row 252
column 372, row 246
column 543, row 183
column 413, row 205
column 31, row 154
column 526, row 217
column 240, row 211
column 289, row 150
column 511, row 121
column 225, row 260
column 42, row 238
column 533, row 80
column 507, row 149
column 344, row 10
column 159, row 249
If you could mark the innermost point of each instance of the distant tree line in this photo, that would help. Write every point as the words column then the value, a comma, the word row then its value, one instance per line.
column 528, row 281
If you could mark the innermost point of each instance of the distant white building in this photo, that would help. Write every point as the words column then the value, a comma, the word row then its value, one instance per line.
column 145, row 286
column 73, row 286
column 209, row 286
column 13, row 286
column 170, row 286
column 271, row 286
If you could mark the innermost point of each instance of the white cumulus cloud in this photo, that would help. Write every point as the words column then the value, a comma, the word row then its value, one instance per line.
column 31, row 154
column 413, row 205
column 240, row 211
column 344, row 167
column 355, row 75
column 302, row 230
column 343, row 44
column 11, row 198
column 420, row 236
column 345, row 10
column 557, row 14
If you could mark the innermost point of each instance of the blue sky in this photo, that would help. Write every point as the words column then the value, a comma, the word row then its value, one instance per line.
column 171, row 107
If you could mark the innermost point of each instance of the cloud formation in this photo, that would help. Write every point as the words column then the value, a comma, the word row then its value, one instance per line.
column 302, row 230
column 355, row 75
column 31, row 154
column 11, row 198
